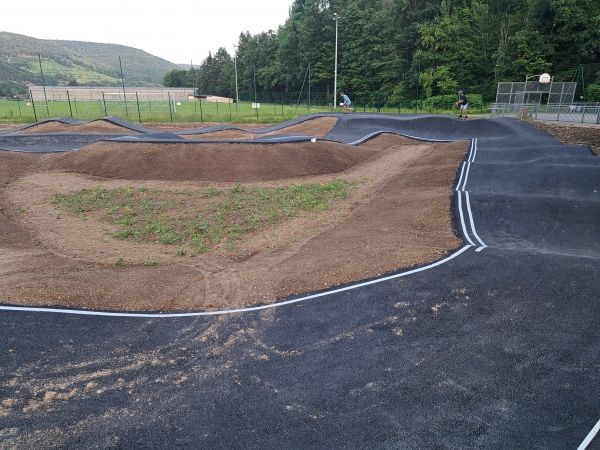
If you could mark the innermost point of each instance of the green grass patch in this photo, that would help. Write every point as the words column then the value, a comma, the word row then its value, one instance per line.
column 200, row 220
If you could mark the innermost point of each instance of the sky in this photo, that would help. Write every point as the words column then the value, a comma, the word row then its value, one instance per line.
column 180, row 31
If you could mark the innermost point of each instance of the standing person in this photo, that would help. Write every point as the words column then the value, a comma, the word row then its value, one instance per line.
column 463, row 102
column 346, row 103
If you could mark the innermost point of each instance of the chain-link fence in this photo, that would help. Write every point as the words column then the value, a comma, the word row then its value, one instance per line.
column 184, row 105
column 544, row 101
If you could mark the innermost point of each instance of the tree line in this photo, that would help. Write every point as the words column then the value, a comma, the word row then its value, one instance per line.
column 396, row 51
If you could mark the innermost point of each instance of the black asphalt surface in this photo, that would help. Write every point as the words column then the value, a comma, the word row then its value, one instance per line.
column 495, row 347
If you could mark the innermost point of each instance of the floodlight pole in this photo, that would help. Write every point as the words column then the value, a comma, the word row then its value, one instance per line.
column 237, row 99
column 336, row 18
column 124, row 95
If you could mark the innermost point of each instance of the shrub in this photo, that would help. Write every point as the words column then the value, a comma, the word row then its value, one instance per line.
column 446, row 102
column 593, row 93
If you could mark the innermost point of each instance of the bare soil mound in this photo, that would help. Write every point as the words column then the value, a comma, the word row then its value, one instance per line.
column 210, row 162
column 397, row 217
column 97, row 126
column 318, row 127
column 573, row 134
column 174, row 126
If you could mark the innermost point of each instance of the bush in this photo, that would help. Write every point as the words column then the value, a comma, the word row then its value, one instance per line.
column 446, row 102
column 449, row 101
column 593, row 93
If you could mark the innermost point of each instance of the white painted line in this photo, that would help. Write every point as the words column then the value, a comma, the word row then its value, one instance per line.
column 474, row 150
column 461, row 175
column 471, row 150
column 466, row 176
column 473, row 224
column 462, row 219
column 232, row 311
column 589, row 437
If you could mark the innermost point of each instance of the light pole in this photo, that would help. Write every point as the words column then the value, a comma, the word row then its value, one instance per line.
column 237, row 99
column 336, row 18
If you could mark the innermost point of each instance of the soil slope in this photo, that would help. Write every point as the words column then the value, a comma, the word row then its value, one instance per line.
column 399, row 217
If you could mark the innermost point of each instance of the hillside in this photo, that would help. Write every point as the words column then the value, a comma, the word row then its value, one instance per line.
column 86, row 63
column 139, row 67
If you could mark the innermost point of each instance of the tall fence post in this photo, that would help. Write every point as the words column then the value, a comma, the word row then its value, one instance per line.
column 69, row 100
column 123, row 82
column 170, row 113
column 137, row 100
column 33, row 104
column 560, row 103
column 43, row 85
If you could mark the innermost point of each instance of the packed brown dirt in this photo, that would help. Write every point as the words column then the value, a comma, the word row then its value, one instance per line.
column 573, row 134
column 97, row 126
column 398, row 218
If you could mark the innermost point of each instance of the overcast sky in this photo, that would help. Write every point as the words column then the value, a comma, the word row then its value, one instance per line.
column 179, row 31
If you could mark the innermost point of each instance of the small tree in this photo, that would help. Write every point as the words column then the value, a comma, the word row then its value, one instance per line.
column 426, row 81
column 444, row 80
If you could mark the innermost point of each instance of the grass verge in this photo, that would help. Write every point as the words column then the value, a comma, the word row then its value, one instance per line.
column 198, row 221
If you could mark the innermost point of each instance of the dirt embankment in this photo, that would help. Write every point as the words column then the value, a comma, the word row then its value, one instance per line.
column 399, row 217
column 573, row 134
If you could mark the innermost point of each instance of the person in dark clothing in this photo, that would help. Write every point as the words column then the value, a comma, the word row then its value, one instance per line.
column 463, row 102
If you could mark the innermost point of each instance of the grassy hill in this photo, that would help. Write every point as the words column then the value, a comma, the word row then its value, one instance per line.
column 86, row 63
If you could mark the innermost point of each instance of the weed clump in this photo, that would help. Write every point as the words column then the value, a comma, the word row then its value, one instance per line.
column 200, row 220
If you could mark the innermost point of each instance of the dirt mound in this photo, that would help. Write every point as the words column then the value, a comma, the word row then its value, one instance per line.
column 210, row 162
column 174, row 126
column 97, row 126
column 573, row 134
column 318, row 127
column 223, row 135
column 398, row 216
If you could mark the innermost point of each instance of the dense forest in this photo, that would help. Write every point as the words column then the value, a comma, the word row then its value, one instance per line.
column 394, row 51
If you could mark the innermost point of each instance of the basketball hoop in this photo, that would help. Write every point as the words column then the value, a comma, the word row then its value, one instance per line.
column 545, row 78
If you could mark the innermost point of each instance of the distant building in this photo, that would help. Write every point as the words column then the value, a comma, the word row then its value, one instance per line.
column 209, row 98
column 108, row 93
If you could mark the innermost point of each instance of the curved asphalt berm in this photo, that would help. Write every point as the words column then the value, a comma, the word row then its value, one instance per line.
column 496, row 347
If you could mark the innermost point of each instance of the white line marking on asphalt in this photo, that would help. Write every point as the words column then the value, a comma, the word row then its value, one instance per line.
column 471, row 150
column 466, row 175
column 589, row 437
column 473, row 224
column 462, row 219
column 232, row 311
column 464, row 164
column 475, row 149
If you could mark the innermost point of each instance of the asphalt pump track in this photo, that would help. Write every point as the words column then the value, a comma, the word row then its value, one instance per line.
column 494, row 347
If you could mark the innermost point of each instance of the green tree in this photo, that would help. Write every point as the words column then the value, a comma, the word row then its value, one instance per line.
column 177, row 78
column 577, row 26
column 444, row 80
